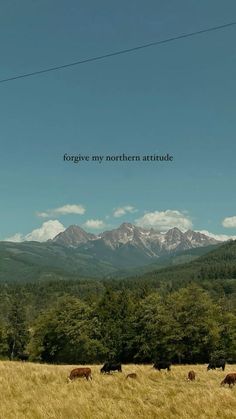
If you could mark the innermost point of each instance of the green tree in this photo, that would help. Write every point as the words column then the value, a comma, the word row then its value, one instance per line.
column 114, row 314
column 198, row 326
column 227, row 343
column 17, row 333
column 68, row 332
column 3, row 341
column 155, row 330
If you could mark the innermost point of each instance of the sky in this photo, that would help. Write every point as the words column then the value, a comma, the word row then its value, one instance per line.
column 176, row 98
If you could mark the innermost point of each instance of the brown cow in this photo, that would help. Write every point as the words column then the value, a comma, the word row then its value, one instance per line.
column 81, row 372
column 131, row 375
column 191, row 375
column 229, row 379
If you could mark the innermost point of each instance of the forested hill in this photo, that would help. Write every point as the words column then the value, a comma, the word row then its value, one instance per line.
column 34, row 261
column 219, row 263
column 214, row 271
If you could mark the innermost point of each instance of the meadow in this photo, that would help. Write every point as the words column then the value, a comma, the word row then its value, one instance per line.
column 36, row 391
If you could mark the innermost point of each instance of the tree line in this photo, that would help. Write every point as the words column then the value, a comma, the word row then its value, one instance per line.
column 93, row 322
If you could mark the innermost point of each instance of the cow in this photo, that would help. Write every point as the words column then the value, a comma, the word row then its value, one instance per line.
column 131, row 375
column 229, row 379
column 191, row 375
column 110, row 366
column 162, row 365
column 23, row 357
column 220, row 363
column 80, row 372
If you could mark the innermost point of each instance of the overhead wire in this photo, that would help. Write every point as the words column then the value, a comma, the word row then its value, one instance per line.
column 119, row 52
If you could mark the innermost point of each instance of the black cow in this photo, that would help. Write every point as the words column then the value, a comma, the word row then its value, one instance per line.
column 220, row 363
column 110, row 366
column 23, row 357
column 162, row 365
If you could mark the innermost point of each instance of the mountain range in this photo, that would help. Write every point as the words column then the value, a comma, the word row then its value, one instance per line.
column 125, row 251
column 131, row 246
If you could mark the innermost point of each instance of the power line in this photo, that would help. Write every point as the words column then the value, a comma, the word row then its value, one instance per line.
column 120, row 52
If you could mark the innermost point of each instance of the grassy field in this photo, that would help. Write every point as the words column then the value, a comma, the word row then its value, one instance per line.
column 34, row 391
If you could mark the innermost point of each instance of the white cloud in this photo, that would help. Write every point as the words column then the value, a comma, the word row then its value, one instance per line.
column 165, row 220
column 229, row 222
column 96, row 224
column 42, row 214
column 48, row 230
column 16, row 238
column 119, row 212
column 64, row 210
column 220, row 237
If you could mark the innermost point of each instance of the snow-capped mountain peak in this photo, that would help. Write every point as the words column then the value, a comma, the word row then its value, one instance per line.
column 147, row 241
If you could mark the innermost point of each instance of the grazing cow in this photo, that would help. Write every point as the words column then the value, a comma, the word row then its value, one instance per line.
column 229, row 379
column 220, row 363
column 109, row 366
column 162, row 365
column 80, row 372
column 23, row 357
column 131, row 375
column 191, row 376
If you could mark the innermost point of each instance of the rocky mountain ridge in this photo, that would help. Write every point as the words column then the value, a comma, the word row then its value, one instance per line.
column 130, row 238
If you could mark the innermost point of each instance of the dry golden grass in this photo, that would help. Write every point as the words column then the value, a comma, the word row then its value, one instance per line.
column 33, row 391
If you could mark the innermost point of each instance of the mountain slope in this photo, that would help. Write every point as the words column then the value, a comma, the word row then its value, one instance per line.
column 32, row 261
column 73, row 236
column 36, row 261
column 129, row 246
column 219, row 263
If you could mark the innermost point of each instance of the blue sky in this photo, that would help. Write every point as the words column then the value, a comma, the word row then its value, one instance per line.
column 177, row 98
